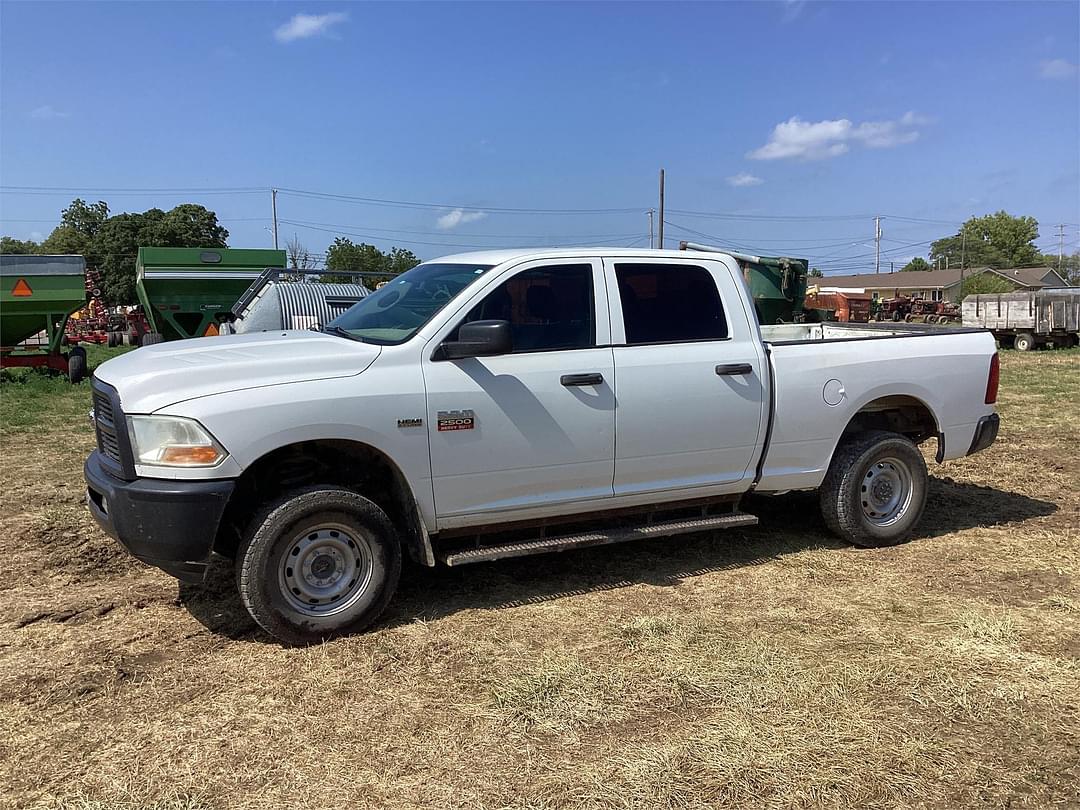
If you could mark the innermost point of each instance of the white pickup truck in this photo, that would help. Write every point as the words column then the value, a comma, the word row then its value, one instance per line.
column 506, row 403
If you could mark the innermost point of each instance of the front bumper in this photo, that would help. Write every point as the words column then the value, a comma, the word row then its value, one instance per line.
column 985, row 433
column 167, row 524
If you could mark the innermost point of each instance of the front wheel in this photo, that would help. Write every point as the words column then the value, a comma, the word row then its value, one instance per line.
column 318, row 562
column 875, row 490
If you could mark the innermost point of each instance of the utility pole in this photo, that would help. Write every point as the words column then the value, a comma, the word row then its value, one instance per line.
column 877, row 244
column 1061, row 248
column 273, row 207
column 660, row 227
column 650, row 212
column 963, row 258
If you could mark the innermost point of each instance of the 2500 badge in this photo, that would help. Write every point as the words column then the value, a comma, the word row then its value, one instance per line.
column 456, row 420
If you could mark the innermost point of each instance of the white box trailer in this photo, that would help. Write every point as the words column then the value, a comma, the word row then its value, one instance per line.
column 1027, row 319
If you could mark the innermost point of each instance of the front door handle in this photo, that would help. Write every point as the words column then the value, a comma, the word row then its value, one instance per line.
column 581, row 379
column 730, row 369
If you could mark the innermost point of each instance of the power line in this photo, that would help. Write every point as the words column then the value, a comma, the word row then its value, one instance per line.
column 454, row 206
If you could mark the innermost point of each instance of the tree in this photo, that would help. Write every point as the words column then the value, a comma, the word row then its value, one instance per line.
column 79, row 224
column 85, row 218
column 995, row 240
column 985, row 282
column 117, row 242
column 1069, row 269
column 815, row 273
column 188, row 225
column 918, row 264
column 298, row 256
column 345, row 255
column 402, row 260
column 11, row 245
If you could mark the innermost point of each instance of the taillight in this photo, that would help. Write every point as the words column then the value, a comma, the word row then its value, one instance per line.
column 992, row 380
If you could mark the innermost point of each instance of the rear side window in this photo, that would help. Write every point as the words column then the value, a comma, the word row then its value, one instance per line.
column 668, row 303
column 549, row 308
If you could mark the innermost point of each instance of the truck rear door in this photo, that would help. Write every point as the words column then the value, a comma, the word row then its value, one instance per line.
column 690, row 377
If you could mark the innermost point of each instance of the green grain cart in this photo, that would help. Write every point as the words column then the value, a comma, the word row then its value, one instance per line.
column 777, row 285
column 37, row 294
column 188, row 292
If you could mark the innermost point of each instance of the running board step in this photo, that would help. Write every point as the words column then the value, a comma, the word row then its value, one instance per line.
column 601, row 538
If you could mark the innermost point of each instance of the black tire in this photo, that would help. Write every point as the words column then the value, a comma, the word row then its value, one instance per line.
column 1025, row 342
column 151, row 338
column 271, row 589
column 845, row 501
column 76, row 364
column 896, row 316
column 115, row 339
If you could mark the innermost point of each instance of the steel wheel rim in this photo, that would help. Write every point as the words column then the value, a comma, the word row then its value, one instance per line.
column 325, row 570
column 887, row 489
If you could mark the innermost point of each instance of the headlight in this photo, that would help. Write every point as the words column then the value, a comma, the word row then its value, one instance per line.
column 173, row 441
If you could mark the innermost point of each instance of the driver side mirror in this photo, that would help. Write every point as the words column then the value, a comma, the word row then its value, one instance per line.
column 478, row 339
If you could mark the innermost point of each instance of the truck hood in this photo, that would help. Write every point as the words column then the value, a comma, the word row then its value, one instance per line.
column 155, row 377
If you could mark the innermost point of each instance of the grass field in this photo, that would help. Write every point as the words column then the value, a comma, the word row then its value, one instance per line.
column 767, row 667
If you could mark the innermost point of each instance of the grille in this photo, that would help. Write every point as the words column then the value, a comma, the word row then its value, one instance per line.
column 105, row 419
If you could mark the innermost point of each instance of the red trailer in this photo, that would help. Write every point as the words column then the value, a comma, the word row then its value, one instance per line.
column 851, row 306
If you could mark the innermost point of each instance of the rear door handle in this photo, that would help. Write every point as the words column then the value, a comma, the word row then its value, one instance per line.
column 581, row 379
column 730, row 369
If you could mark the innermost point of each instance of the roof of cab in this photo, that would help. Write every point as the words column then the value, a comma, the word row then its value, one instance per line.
column 503, row 255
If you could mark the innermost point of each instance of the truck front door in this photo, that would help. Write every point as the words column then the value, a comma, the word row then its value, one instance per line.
column 534, row 428
column 688, row 372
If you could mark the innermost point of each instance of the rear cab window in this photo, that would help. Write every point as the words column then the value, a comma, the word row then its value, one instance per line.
column 669, row 303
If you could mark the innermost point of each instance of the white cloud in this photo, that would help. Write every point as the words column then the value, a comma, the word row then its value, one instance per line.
column 1057, row 69
column 743, row 180
column 46, row 112
column 305, row 26
column 459, row 216
column 815, row 140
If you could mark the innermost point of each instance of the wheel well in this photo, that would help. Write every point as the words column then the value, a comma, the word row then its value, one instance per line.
column 349, row 464
column 899, row 414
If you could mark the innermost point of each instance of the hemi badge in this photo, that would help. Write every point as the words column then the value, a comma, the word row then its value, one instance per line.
column 456, row 420
column 407, row 423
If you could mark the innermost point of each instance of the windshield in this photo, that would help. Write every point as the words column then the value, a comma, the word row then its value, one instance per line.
column 398, row 310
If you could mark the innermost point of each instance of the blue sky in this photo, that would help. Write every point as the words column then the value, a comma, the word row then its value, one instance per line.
column 797, row 121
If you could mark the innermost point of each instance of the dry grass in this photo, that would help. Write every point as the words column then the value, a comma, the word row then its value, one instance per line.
column 770, row 667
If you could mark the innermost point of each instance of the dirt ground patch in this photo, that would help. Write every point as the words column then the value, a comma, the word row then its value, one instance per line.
column 765, row 667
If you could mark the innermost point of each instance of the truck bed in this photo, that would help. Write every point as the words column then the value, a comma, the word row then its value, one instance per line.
column 823, row 374
column 788, row 333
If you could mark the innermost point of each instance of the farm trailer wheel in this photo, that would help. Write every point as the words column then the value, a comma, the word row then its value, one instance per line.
column 1025, row 342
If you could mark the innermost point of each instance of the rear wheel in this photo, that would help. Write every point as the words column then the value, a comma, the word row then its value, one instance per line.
column 316, row 563
column 875, row 490
column 151, row 338
column 1025, row 342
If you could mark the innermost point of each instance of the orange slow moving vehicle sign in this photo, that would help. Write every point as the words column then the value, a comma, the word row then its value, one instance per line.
column 21, row 289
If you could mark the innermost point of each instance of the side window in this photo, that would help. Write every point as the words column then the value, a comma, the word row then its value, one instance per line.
column 548, row 308
column 665, row 303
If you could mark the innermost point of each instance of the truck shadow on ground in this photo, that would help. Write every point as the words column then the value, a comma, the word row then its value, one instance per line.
column 789, row 524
